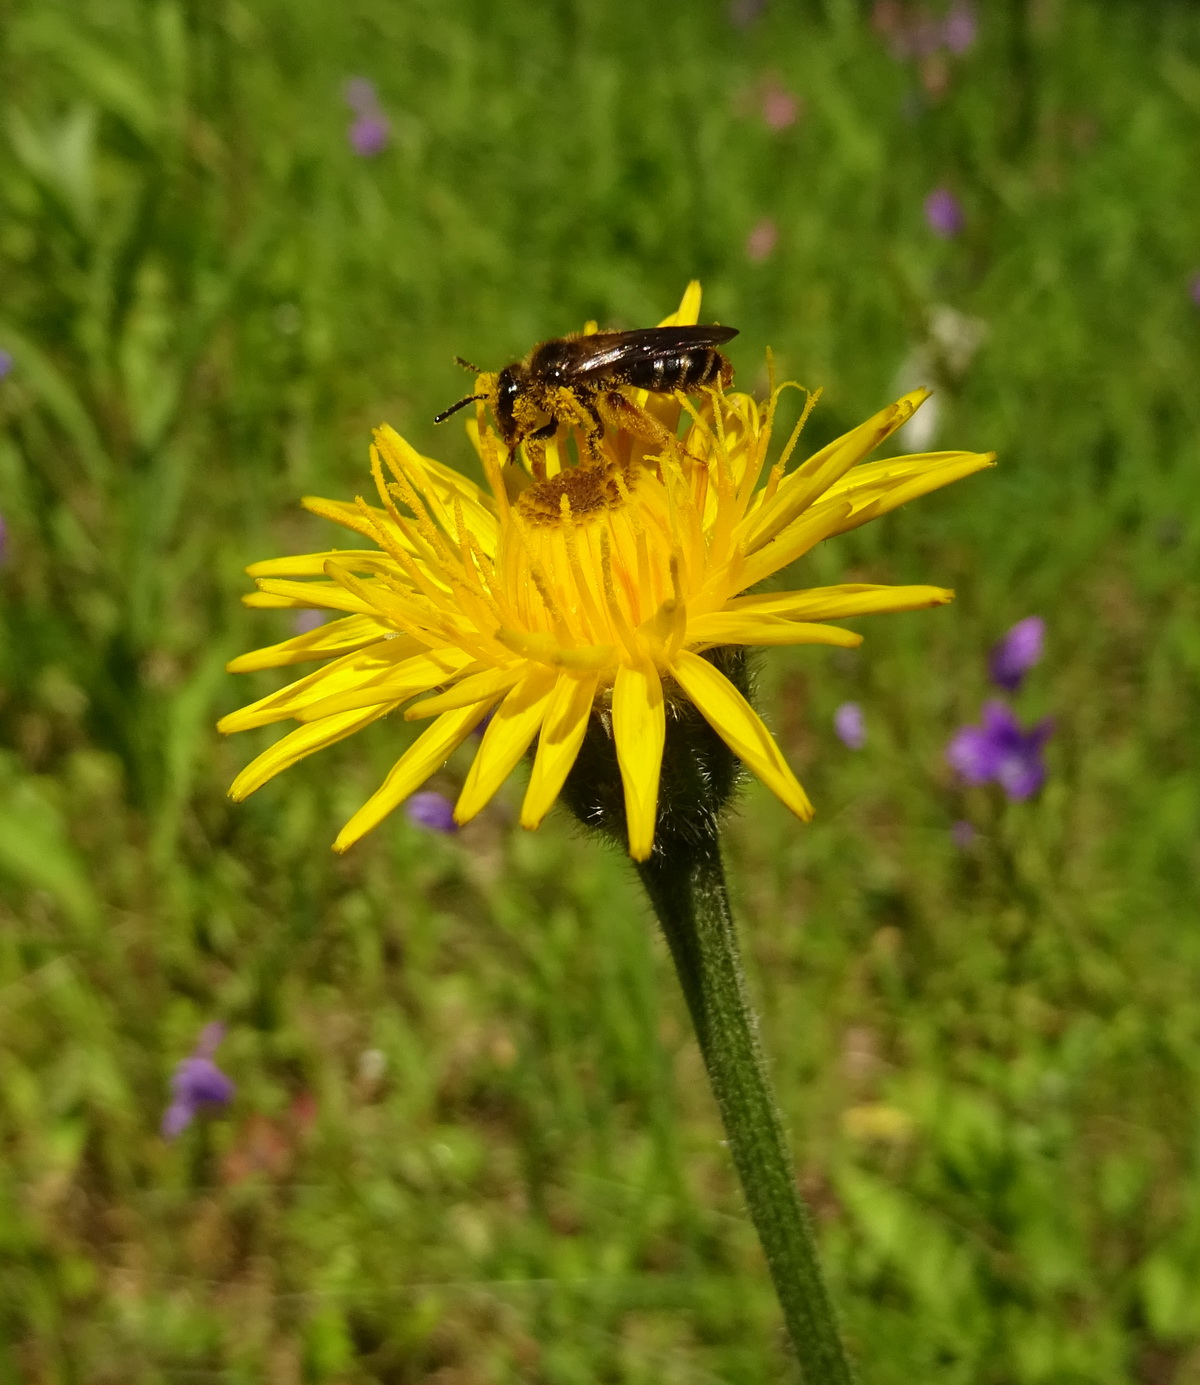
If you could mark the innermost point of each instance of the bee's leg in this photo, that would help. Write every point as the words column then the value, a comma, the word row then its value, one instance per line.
column 535, row 447
column 592, row 435
column 624, row 413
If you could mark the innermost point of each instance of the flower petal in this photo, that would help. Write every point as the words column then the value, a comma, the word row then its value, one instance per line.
column 836, row 603
column 477, row 687
column 739, row 726
column 562, row 734
column 507, row 738
column 734, row 627
column 297, row 744
column 338, row 637
column 814, row 477
column 894, row 486
column 793, row 543
column 384, row 658
column 428, row 753
column 639, row 728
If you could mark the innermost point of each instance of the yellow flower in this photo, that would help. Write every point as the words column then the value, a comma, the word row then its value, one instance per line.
column 597, row 588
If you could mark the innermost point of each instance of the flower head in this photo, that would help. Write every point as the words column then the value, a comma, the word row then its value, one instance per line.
column 944, row 213
column 960, row 29
column 198, row 1083
column 579, row 592
column 1016, row 653
column 1193, row 290
column 369, row 135
column 850, row 725
column 6, row 363
column 1000, row 751
column 369, row 130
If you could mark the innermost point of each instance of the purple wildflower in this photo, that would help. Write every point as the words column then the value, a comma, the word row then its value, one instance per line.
column 433, row 810
column 960, row 29
column 369, row 135
column 1000, row 751
column 197, row 1083
column 1016, row 653
column 944, row 213
column 6, row 363
column 850, row 725
column 305, row 622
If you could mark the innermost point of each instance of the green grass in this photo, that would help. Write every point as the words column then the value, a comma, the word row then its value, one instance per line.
column 472, row 1142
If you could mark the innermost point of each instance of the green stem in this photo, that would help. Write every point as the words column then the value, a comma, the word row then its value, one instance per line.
column 686, row 885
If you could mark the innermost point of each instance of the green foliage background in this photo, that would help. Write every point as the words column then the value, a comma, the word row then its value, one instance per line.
column 472, row 1142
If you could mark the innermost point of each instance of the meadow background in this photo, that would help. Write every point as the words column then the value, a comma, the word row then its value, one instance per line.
column 471, row 1141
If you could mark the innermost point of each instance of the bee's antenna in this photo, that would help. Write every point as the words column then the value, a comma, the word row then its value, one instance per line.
column 454, row 408
column 466, row 365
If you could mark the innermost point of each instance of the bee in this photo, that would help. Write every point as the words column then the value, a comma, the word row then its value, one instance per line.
column 579, row 379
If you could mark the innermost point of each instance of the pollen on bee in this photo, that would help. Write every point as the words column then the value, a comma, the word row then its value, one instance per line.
column 575, row 494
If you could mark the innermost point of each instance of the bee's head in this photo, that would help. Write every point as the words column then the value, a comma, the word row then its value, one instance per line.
column 508, row 391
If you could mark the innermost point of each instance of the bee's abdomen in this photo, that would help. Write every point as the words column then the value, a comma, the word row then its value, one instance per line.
column 686, row 371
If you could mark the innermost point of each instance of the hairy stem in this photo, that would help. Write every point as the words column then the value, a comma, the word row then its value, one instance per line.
column 686, row 884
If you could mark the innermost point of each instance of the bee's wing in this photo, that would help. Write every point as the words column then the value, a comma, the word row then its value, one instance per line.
column 600, row 353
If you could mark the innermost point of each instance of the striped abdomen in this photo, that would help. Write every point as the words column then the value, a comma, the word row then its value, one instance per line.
column 685, row 370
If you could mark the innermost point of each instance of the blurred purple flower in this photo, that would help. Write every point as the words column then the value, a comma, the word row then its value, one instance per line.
column 1193, row 289
column 198, row 1083
column 944, row 213
column 6, row 363
column 960, row 29
column 3, row 542
column 762, row 240
column 850, row 725
column 369, row 135
column 1016, row 653
column 1000, row 751
column 305, row 622
column 361, row 96
column 963, row 834
column 433, row 810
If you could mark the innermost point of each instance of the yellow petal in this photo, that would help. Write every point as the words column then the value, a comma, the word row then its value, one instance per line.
column 342, row 512
column 416, row 675
column 338, row 637
column 306, row 595
column 870, row 501
column 563, row 731
column 815, row 476
column 313, row 564
column 346, row 674
column 793, row 543
column 296, row 745
column 739, row 726
column 836, row 603
column 639, row 728
column 488, row 683
column 729, row 627
column 507, row 738
column 427, row 754
column 688, row 312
